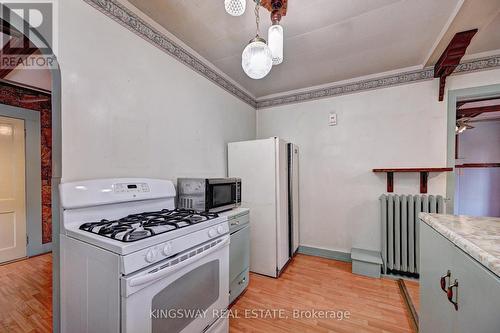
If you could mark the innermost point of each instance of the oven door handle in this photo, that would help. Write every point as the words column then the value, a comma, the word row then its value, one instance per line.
column 150, row 277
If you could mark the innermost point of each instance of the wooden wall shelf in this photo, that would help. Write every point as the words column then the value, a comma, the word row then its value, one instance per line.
column 478, row 165
column 424, row 176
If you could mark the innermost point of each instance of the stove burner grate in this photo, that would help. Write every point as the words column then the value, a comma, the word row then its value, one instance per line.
column 135, row 227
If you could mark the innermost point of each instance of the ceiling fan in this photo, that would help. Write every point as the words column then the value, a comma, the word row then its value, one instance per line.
column 463, row 124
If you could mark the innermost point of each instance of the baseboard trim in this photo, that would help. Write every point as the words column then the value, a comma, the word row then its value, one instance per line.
column 324, row 253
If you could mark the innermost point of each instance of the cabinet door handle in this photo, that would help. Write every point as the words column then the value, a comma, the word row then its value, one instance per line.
column 235, row 223
column 242, row 281
column 450, row 294
column 443, row 281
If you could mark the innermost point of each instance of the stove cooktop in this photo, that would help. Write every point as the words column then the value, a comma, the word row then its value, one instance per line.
column 144, row 225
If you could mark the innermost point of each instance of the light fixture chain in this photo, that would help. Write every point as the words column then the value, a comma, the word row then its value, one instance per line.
column 257, row 16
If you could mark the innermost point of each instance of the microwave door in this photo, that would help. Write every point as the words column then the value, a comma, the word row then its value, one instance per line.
column 221, row 196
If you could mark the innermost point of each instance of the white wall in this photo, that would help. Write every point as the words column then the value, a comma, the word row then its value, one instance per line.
column 129, row 109
column 480, row 144
column 478, row 189
column 403, row 126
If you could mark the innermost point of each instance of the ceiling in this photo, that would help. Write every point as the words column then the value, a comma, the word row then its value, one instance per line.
column 484, row 17
column 325, row 40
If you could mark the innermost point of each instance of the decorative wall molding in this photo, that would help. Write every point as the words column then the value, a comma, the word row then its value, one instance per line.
column 479, row 64
column 473, row 65
column 131, row 21
column 350, row 88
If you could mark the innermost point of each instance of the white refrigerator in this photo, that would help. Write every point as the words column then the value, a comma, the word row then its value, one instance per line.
column 268, row 170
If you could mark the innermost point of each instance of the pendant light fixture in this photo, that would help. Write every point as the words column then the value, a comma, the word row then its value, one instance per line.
column 275, row 36
column 235, row 7
column 256, row 59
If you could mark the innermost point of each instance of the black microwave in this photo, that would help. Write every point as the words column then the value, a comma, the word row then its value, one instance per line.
column 208, row 194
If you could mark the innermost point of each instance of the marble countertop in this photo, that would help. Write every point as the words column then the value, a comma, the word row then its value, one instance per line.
column 477, row 236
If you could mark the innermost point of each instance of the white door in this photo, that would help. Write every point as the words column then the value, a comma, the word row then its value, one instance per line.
column 12, row 190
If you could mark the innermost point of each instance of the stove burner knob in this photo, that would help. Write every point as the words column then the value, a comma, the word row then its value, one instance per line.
column 212, row 233
column 220, row 229
column 167, row 249
column 151, row 256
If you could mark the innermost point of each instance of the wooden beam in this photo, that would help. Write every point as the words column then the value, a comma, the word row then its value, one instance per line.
column 472, row 112
column 390, row 182
column 478, row 165
column 17, row 48
column 8, row 30
column 424, row 176
column 462, row 103
column 413, row 170
column 451, row 57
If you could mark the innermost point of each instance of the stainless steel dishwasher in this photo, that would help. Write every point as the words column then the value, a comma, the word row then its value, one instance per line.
column 239, row 251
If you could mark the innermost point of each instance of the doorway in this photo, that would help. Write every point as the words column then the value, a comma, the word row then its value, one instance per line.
column 474, row 151
column 477, row 155
column 39, row 275
column 37, row 240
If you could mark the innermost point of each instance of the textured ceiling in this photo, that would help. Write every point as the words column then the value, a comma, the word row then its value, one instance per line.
column 483, row 15
column 325, row 40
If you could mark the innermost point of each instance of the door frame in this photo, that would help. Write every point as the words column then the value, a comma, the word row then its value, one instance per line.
column 37, row 39
column 33, row 181
column 455, row 96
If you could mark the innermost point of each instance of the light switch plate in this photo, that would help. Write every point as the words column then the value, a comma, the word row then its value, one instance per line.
column 332, row 119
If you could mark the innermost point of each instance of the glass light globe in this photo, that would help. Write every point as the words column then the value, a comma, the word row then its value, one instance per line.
column 256, row 59
column 235, row 7
column 275, row 38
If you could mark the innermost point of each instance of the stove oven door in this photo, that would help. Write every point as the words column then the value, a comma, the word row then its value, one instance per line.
column 186, row 293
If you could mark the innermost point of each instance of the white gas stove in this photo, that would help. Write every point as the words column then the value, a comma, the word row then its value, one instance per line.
column 128, row 257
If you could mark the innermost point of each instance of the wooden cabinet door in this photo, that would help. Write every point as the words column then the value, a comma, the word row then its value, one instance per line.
column 436, row 258
column 478, row 296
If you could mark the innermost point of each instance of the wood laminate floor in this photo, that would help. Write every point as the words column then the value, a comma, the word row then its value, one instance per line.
column 26, row 295
column 308, row 284
column 311, row 283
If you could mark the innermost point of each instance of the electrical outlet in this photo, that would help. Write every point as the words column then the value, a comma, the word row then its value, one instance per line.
column 332, row 119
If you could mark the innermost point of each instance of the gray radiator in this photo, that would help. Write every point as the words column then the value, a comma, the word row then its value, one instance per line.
column 400, row 232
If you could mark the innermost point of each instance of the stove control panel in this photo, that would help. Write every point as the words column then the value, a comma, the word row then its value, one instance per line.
column 212, row 232
column 167, row 249
column 163, row 250
column 131, row 188
column 151, row 255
